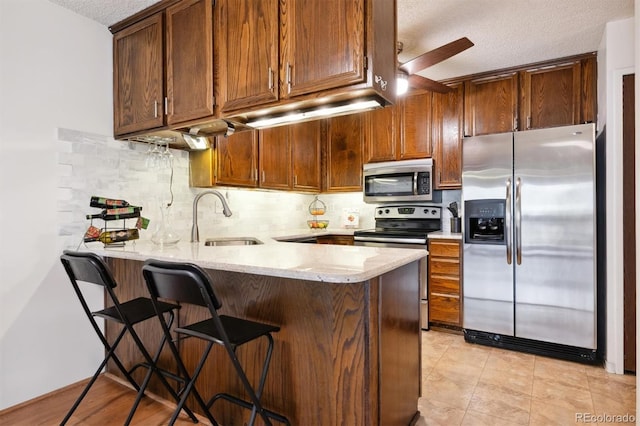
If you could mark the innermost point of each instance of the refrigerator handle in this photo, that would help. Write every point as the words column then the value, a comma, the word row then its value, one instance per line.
column 518, row 222
column 507, row 222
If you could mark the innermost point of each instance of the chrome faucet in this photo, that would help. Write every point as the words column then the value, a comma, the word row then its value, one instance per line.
column 225, row 209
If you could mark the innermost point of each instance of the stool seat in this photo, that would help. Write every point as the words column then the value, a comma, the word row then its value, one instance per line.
column 134, row 311
column 239, row 331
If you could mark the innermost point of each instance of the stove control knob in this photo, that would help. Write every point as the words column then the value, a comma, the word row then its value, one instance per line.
column 433, row 212
column 426, row 211
column 386, row 211
column 380, row 211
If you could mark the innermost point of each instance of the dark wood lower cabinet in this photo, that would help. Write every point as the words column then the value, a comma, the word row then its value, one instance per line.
column 346, row 354
column 445, row 295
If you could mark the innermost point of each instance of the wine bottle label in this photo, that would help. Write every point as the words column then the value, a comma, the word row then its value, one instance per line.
column 110, row 237
column 92, row 234
column 122, row 210
column 142, row 223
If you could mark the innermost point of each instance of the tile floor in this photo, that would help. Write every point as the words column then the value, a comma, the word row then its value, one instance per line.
column 470, row 384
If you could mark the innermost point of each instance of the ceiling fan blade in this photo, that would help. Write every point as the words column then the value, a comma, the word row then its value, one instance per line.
column 419, row 82
column 435, row 56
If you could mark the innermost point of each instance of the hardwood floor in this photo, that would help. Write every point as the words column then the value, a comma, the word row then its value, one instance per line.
column 107, row 403
column 462, row 384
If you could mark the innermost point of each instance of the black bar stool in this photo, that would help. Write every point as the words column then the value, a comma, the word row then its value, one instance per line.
column 90, row 268
column 189, row 284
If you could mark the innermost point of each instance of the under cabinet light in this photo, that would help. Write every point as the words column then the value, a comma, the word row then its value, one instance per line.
column 196, row 142
column 318, row 112
column 402, row 83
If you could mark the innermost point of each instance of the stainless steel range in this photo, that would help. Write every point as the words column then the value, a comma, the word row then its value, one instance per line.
column 404, row 226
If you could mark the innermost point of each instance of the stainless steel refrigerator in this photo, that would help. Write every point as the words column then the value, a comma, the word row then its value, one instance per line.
column 529, row 257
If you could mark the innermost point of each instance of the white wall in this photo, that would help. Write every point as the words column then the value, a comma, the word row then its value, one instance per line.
column 56, row 72
column 616, row 58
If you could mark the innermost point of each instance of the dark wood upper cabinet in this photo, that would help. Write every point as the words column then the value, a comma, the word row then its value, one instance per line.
column 275, row 158
column 447, row 138
column 323, row 45
column 236, row 159
column 343, row 165
column 150, row 51
column 381, row 134
column 559, row 94
column 248, row 48
column 491, row 105
column 415, row 126
column 189, row 68
column 138, row 78
column 306, row 139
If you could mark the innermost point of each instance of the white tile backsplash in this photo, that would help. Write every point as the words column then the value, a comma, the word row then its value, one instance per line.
column 91, row 164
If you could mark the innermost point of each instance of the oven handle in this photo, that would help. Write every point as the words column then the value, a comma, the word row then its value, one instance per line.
column 391, row 240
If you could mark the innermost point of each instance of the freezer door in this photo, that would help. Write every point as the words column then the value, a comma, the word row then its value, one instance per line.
column 554, row 223
column 487, row 167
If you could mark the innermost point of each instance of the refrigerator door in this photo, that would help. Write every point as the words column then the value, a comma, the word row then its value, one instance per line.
column 554, row 223
column 487, row 167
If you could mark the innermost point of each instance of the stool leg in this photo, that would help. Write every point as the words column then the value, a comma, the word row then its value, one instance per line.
column 191, row 387
column 153, row 368
column 263, row 376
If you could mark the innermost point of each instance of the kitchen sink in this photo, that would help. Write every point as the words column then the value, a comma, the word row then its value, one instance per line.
column 232, row 241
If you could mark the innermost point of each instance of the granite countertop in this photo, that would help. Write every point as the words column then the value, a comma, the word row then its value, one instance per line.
column 445, row 235
column 314, row 262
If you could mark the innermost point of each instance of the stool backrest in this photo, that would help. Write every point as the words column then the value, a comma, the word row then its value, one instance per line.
column 87, row 267
column 182, row 282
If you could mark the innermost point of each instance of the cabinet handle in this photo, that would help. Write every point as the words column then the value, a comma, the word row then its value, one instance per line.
column 270, row 79
column 529, row 122
column 255, row 176
column 515, row 124
column 155, row 109
column 288, row 77
column 295, row 180
column 263, row 176
column 166, row 106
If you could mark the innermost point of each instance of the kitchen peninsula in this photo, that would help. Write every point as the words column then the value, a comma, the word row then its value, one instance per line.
column 348, row 351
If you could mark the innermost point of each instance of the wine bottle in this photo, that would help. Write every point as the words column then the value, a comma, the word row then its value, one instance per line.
column 119, row 213
column 110, row 237
column 107, row 203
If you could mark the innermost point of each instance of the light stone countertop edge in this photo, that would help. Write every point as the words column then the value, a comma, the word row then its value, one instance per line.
column 445, row 235
column 313, row 262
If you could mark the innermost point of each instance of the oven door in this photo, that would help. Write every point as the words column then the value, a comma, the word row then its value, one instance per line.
column 424, row 274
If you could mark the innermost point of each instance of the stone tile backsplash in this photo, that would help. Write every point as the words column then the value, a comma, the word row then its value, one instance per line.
column 90, row 164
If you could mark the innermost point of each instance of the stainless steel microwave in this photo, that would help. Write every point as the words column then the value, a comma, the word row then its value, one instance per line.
column 406, row 180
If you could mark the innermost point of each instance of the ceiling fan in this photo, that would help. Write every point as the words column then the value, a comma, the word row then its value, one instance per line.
column 427, row 59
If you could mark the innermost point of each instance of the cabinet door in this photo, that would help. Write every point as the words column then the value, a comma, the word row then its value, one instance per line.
column 323, row 45
column 248, row 46
column 275, row 158
column 447, row 138
column 305, row 144
column 550, row 96
column 491, row 105
column 415, row 126
column 588, row 101
column 236, row 159
column 380, row 134
column 344, row 153
column 189, row 49
column 138, row 77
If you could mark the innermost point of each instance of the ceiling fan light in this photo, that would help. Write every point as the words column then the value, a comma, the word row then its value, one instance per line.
column 402, row 83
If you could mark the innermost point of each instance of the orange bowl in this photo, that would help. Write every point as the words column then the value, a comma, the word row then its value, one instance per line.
column 318, row 224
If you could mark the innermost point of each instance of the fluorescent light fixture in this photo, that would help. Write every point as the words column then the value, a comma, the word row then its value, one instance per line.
column 402, row 83
column 322, row 111
column 196, row 142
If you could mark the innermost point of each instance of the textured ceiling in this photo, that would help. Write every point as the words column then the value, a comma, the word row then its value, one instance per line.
column 505, row 32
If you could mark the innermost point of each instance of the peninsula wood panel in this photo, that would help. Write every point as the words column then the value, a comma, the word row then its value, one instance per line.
column 345, row 354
